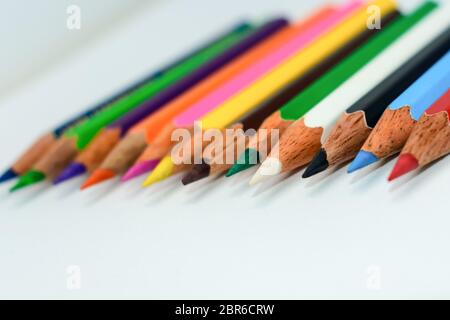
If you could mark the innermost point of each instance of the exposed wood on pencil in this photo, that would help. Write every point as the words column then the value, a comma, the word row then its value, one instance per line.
column 124, row 154
column 347, row 137
column 57, row 158
column 391, row 132
column 274, row 122
column 431, row 140
column 98, row 149
column 34, row 153
column 298, row 145
column 159, row 148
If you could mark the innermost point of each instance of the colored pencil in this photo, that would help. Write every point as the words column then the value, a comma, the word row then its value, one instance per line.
column 148, row 130
column 97, row 151
column 44, row 143
column 364, row 69
column 121, row 126
column 156, row 131
column 239, row 82
column 78, row 137
column 429, row 140
column 219, row 162
column 283, row 75
column 396, row 124
column 426, row 44
column 167, row 167
column 314, row 95
column 259, row 118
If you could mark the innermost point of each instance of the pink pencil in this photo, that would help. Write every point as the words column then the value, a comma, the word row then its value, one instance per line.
column 263, row 66
column 150, row 158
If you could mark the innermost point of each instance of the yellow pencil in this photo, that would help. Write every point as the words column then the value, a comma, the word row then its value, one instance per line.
column 294, row 67
column 283, row 75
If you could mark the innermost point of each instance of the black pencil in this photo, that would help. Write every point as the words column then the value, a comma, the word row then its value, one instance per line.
column 356, row 124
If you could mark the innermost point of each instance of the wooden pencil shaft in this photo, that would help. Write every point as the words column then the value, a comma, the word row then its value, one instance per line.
column 374, row 103
column 256, row 117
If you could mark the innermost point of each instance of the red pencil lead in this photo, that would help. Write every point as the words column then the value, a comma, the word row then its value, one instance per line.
column 406, row 163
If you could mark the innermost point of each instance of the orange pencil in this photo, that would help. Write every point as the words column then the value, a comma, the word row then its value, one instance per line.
column 106, row 164
column 159, row 143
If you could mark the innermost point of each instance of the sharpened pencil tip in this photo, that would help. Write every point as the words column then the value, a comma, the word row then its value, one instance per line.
column 247, row 160
column 139, row 169
column 269, row 168
column 161, row 172
column 99, row 176
column 198, row 172
column 8, row 175
column 317, row 165
column 28, row 179
column 405, row 163
column 75, row 169
column 362, row 160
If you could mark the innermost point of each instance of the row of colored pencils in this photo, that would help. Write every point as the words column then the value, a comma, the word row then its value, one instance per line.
column 358, row 82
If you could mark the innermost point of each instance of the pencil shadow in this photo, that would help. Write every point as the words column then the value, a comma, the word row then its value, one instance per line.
column 317, row 182
column 30, row 195
column 276, row 185
column 132, row 190
column 69, row 188
column 5, row 186
column 163, row 190
column 399, row 185
column 200, row 189
column 401, row 182
column 368, row 176
column 240, row 181
column 5, row 195
column 97, row 193
column 243, row 175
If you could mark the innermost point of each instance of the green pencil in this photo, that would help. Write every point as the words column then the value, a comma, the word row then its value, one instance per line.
column 78, row 137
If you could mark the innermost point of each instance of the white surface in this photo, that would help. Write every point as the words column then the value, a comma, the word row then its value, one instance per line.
column 35, row 35
column 218, row 238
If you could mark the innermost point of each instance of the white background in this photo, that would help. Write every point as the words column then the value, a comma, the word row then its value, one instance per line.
column 341, row 236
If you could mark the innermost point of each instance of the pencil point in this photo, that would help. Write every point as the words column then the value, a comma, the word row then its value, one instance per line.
column 362, row 160
column 8, row 175
column 248, row 159
column 405, row 163
column 198, row 172
column 139, row 169
column 269, row 168
column 28, row 179
column 161, row 172
column 99, row 175
column 317, row 165
column 75, row 169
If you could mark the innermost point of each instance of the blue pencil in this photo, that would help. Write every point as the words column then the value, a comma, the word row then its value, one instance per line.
column 394, row 127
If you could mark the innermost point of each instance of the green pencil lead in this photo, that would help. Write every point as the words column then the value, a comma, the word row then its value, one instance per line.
column 247, row 160
column 28, row 179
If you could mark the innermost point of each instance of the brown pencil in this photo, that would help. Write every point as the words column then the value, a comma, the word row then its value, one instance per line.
column 195, row 145
column 218, row 160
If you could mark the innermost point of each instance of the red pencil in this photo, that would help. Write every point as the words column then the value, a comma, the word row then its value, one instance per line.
column 429, row 140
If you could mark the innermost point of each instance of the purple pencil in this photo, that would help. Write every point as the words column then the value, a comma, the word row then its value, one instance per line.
column 111, row 135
